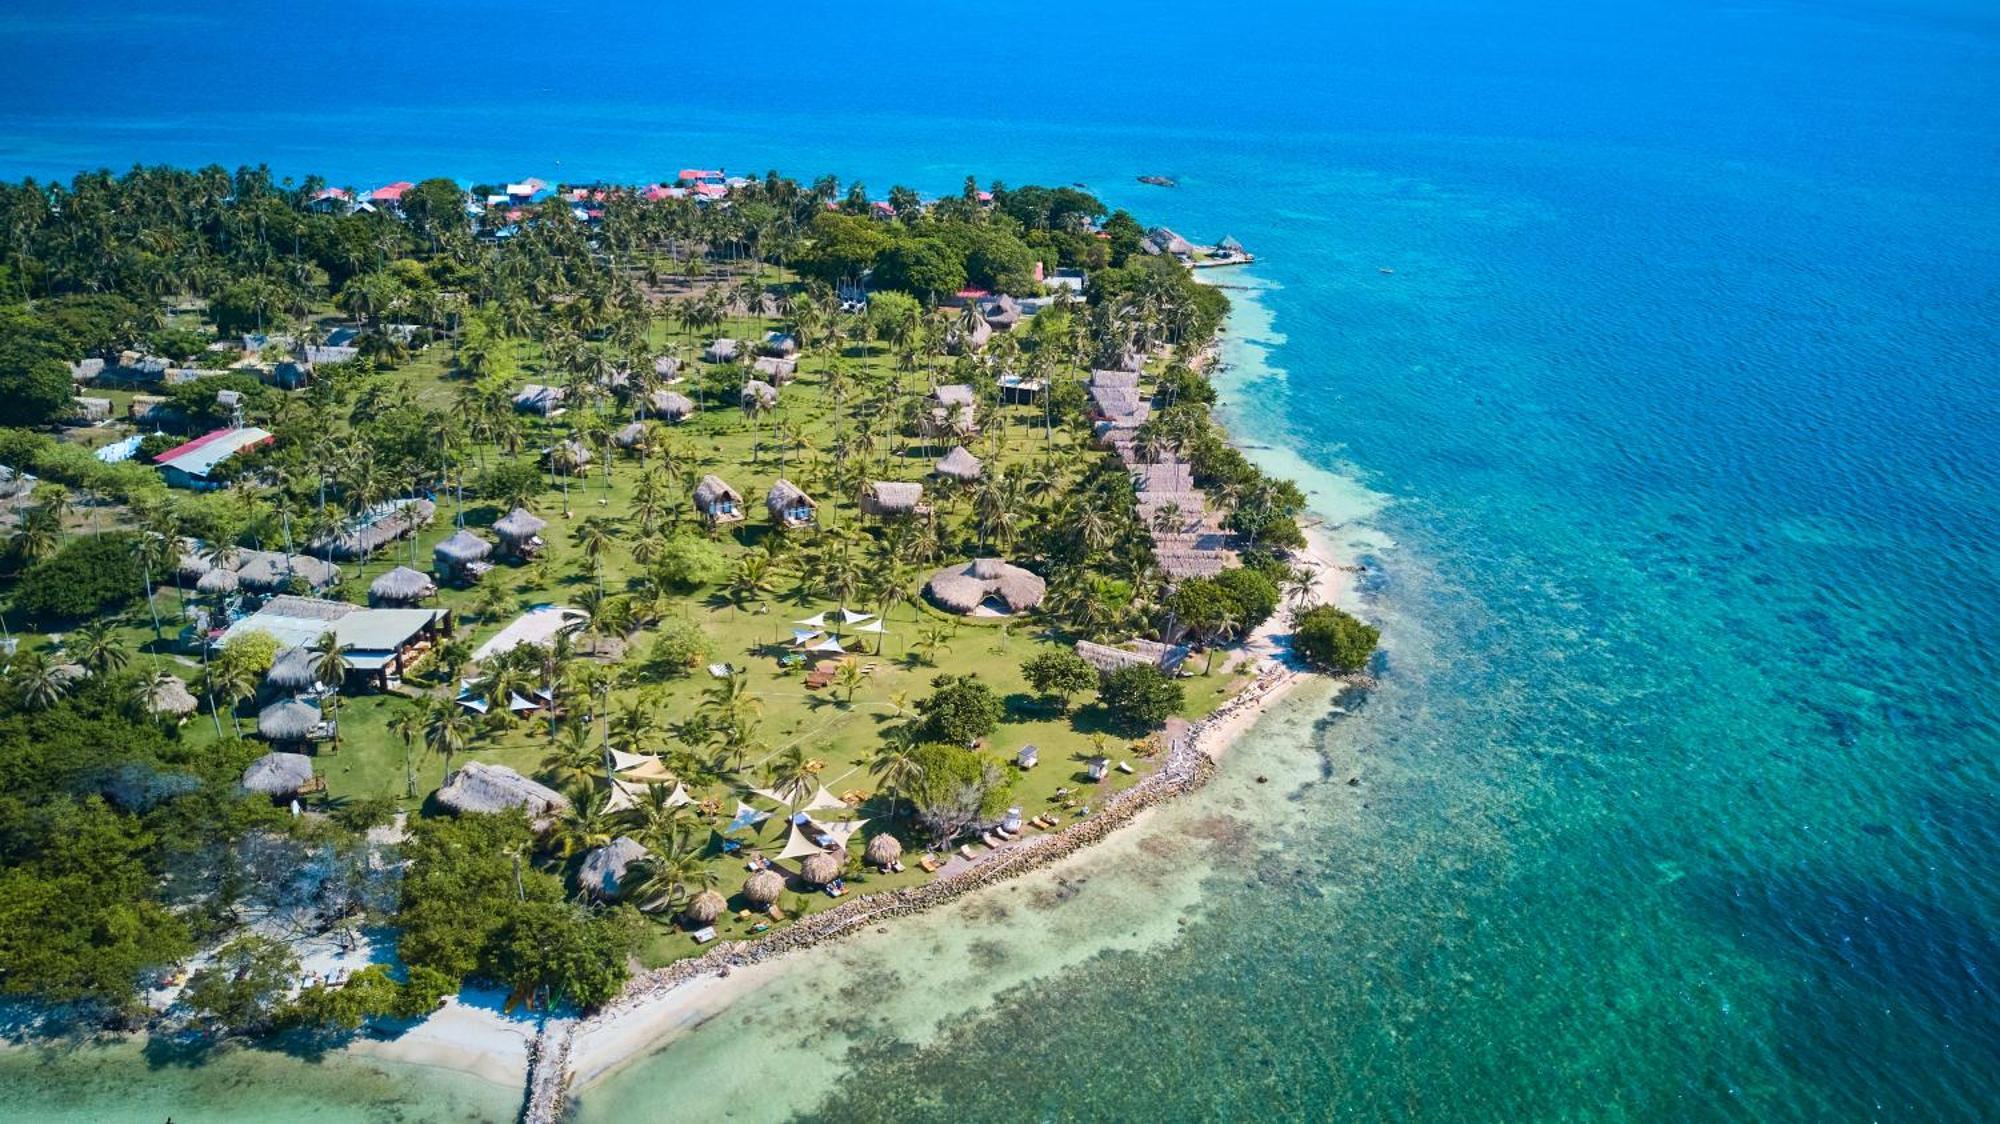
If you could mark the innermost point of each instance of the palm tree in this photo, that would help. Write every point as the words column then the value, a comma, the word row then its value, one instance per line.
column 933, row 639
column 573, row 759
column 897, row 766
column 330, row 667
column 668, row 876
column 98, row 647
column 585, row 826
column 448, row 730
column 227, row 681
column 790, row 775
column 849, row 679
column 38, row 681
column 408, row 725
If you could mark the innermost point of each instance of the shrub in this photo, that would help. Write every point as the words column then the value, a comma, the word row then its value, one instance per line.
column 89, row 576
column 1329, row 638
column 682, row 645
column 1141, row 695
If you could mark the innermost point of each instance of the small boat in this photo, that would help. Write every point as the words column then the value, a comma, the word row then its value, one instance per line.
column 1160, row 181
column 1385, row 269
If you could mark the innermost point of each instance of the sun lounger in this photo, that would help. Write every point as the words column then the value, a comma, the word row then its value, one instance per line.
column 965, row 852
column 1124, row 766
column 704, row 935
column 929, row 863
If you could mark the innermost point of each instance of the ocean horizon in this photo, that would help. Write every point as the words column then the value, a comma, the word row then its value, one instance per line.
column 1643, row 360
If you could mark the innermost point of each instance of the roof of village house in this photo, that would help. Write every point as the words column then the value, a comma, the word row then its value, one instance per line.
column 519, row 524
column 667, row 404
column 200, row 456
column 890, row 495
column 959, row 464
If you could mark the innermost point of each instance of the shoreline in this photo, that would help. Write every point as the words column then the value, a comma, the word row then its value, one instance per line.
column 660, row 1005
column 664, row 1003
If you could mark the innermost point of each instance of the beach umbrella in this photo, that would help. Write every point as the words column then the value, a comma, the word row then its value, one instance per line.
column 705, row 907
column 820, row 869
column 763, row 887
column 883, row 850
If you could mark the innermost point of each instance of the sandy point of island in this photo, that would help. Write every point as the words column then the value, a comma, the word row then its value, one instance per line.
column 475, row 1038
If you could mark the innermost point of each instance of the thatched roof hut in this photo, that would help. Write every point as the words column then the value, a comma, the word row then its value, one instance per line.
column 169, row 696
column 1114, row 380
column 1107, row 659
column 218, row 581
column 603, row 869
column 789, row 505
column 777, row 369
column 986, row 584
column 279, row 774
column 631, row 435
column 292, row 671
column 535, row 398
column 705, row 907
column 717, row 501
column 568, row 455
column 1002, row 312
column 883, row 850
column 462, row 549
column 760, row 393
column 955, row 394
column 820, row 869
column 670, row 406
column 724, row 350
column 479, row 787
column 274, row 570
column 961, row 340
column 518, row 526
column 889, row 499
column 960, row 465
column 362, row 541
column 667, row 367
column 402, row 586
column 287, row 720
column 763, row 887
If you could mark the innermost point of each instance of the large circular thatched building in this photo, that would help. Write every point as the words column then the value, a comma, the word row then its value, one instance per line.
column 985, row 587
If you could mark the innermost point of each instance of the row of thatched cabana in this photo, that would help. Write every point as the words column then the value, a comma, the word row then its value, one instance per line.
column 365, row 539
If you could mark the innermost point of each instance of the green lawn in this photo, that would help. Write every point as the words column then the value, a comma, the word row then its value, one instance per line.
column 371, row 762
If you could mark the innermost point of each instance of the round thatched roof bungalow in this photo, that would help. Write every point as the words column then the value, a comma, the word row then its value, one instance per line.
column 170, row 697
column 986, row 587
column 717, row 501
column 279, row 775
column 763, row 888
column 789, row 505
column 479, row 787
column 292, row 672
column 960, row 465
column 288, row 720
column 603, row 869
column 888, row 499
column 631, row 436
column 760, row 393
column 820, row 869
column 883, row 850
column 402, row 586
column 460, row 554
column 705, row 907
column 518, row 526
column 671, row 407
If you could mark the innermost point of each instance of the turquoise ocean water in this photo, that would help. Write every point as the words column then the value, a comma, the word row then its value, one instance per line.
column 1668, row 448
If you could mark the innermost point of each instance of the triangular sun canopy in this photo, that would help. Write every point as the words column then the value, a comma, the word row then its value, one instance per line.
column 800, row 845
column 828, row 645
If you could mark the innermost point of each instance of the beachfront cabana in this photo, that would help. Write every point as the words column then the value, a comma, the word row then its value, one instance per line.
column 1133, row 653
column 520, row 532
column 602, row 872
column 960, row 465
column 820, row 869
column 717, row 502
column 462, row 557
column 883, row 851
column 290, row 720
column 402, row 586
column 986, row 587
column 888, row 499
column 279, row 775
column 671, row 407
column 789, row 505
column 759, row 394
column 1002, row 313
column 763, row 888
column 479, row 787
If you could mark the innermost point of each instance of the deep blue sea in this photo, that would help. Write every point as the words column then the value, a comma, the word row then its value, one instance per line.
column 1669, row 448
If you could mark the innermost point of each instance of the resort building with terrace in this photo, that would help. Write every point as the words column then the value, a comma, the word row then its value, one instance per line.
column 520, row 533
column 378, row 645
column 716, row 502
column 888, row 499
column 789, row 505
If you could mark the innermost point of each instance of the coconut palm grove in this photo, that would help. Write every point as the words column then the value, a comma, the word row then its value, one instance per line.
column 545, row 580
